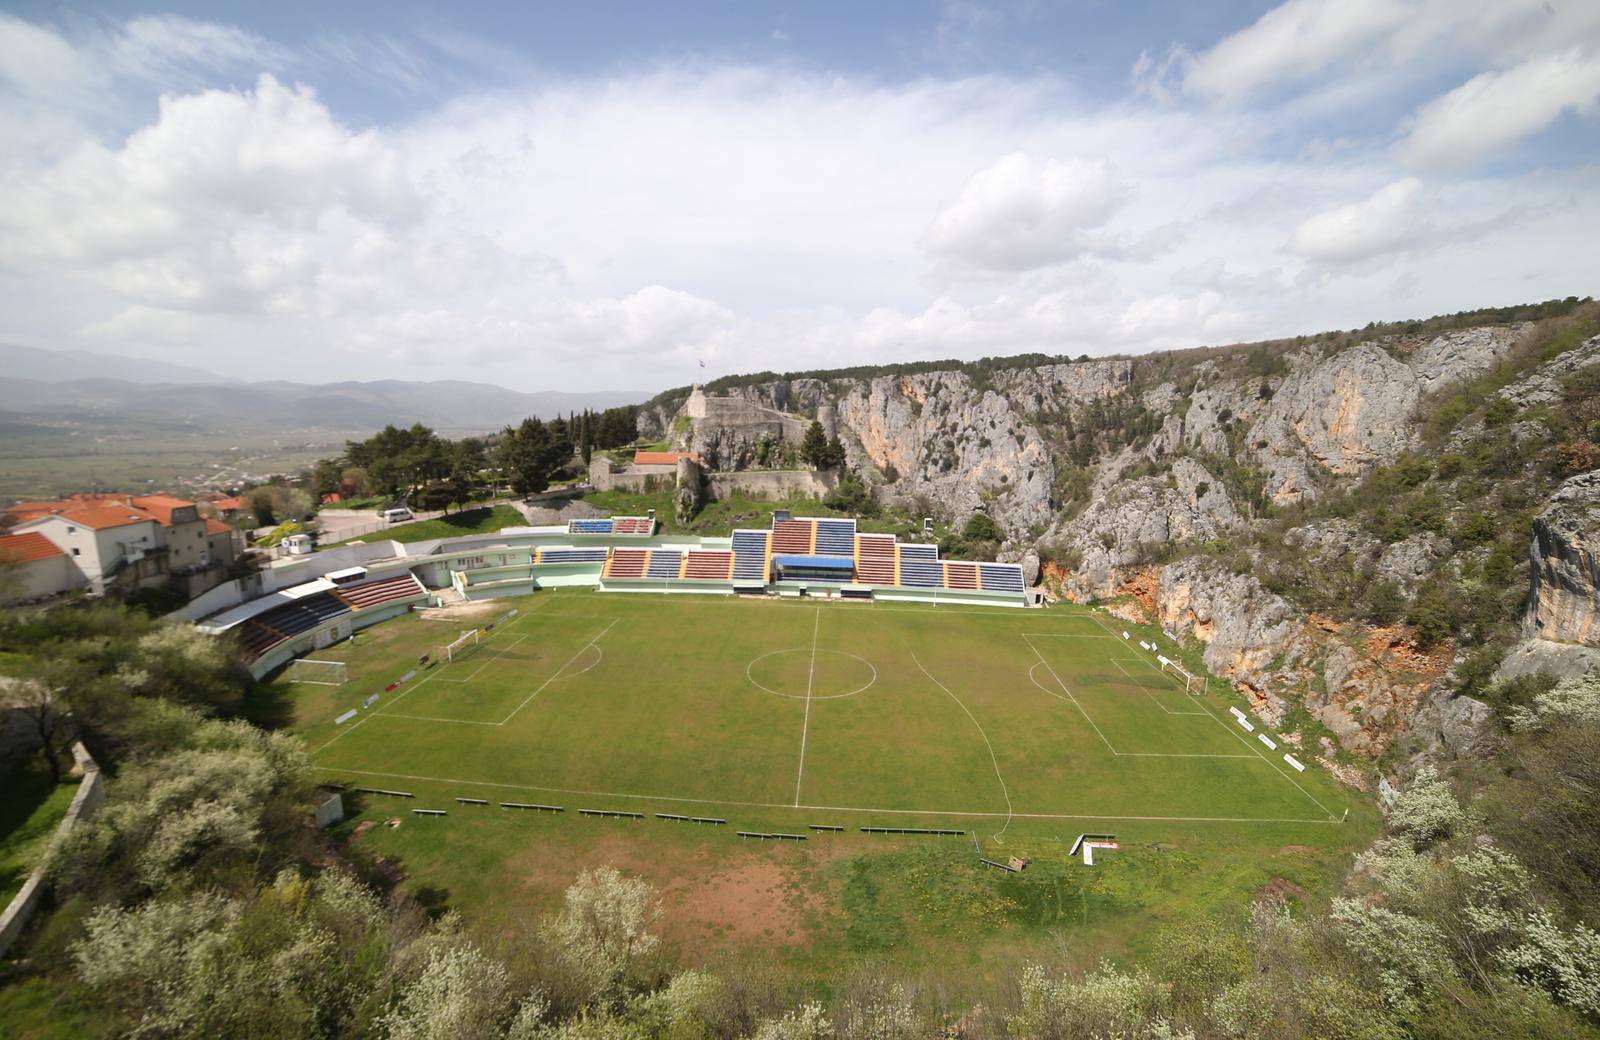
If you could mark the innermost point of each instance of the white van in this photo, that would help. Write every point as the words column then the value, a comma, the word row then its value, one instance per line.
column 397, row 516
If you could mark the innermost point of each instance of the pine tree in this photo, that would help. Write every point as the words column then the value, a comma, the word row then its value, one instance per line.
column 814, row 448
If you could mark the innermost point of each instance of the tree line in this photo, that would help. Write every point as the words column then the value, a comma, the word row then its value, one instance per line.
column 417, row 465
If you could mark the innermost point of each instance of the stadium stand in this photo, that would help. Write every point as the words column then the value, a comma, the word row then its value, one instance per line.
column 960, row 575
column 573, row 555
column 265, row 631
column 835, row 538
column 612, row 525
column 257, row 638
column 383, row 590
column 875, row 559
column 919, row 567
column 664, row 563
column 627, row 563
column 1001, row 577
column 750, row 556
column 712, row 564
column 792, row 536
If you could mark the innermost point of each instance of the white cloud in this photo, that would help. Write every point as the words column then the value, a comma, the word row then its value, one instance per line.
column 224, row 202
column 1017, row 215
column 1293, row 42
column 1495, row 109
column 1389, row 221
column 1348, row 49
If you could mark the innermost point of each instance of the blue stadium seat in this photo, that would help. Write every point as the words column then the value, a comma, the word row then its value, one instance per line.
column 836, row 538
column 749, row 555
column 589, row 527
column 573, row 555
column 1001, row 577
column 664, row 563
column 925, row 574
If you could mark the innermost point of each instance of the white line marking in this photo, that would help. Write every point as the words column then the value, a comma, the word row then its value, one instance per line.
column 435, row 718
column 1147, row 692
column 805, row 727
column 599, row 655
column 1253, row 749
column 749, row 674
column 818, row 808
column 992, row 759
column 494, row 655
column 1068, row 692
column 557, row 675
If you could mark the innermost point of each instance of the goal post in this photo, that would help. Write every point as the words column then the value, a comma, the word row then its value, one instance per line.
column 1190, row 683
column 321, row 673
column 465, row 643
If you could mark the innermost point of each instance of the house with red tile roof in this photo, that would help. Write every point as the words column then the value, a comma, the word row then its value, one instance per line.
column 33, row 567
column 128, row 541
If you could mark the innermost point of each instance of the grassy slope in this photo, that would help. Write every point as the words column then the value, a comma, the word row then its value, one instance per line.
column 28, row 816
column 664, row 709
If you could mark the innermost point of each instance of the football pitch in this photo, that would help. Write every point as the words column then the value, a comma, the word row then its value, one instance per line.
column 785, row 714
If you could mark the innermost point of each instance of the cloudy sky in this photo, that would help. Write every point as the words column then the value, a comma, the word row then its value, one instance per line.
column 612, row 195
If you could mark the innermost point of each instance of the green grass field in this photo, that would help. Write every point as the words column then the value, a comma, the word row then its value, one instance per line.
column 1021, row 728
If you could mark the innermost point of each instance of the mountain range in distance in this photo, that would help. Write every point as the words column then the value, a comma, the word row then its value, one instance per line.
column 47, row 383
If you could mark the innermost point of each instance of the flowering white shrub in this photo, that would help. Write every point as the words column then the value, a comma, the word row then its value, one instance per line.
column 1575, row 699
column 806, row 1022
column 603, row 928
column 1565, row 964
column 1426, row 811
column 1106, row 1004
column 459, row 993
column 1409, row 955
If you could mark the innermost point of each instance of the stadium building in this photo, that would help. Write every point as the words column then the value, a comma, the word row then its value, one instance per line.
column 308, row 602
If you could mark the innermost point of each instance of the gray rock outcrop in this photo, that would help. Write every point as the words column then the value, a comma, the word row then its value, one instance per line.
column 1564, row 601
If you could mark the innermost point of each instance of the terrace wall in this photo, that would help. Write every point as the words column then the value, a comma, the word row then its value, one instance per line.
column 91, row 795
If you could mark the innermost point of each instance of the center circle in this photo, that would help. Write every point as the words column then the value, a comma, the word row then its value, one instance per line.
column 827, row 674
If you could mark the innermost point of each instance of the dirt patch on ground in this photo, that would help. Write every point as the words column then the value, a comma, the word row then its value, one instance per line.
column 1295, row 850
column 1279, row 891
column 771, row 895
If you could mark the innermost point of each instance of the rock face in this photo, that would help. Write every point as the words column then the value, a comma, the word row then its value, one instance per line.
column 1122, row 525
column 1562, row 660
column 1245, row 627
column 1565, row 557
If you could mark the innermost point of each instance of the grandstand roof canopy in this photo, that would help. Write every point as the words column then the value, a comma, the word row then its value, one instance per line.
column 799, row 560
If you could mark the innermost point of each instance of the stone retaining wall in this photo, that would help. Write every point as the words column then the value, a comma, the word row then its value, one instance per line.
column 91, row 794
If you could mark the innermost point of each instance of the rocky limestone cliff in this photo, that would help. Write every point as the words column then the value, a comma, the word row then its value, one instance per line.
column 1564, row 601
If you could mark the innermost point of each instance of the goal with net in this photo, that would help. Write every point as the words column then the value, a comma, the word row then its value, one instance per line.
column 1191, row 683
column 462, row 644
column 323, row 673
